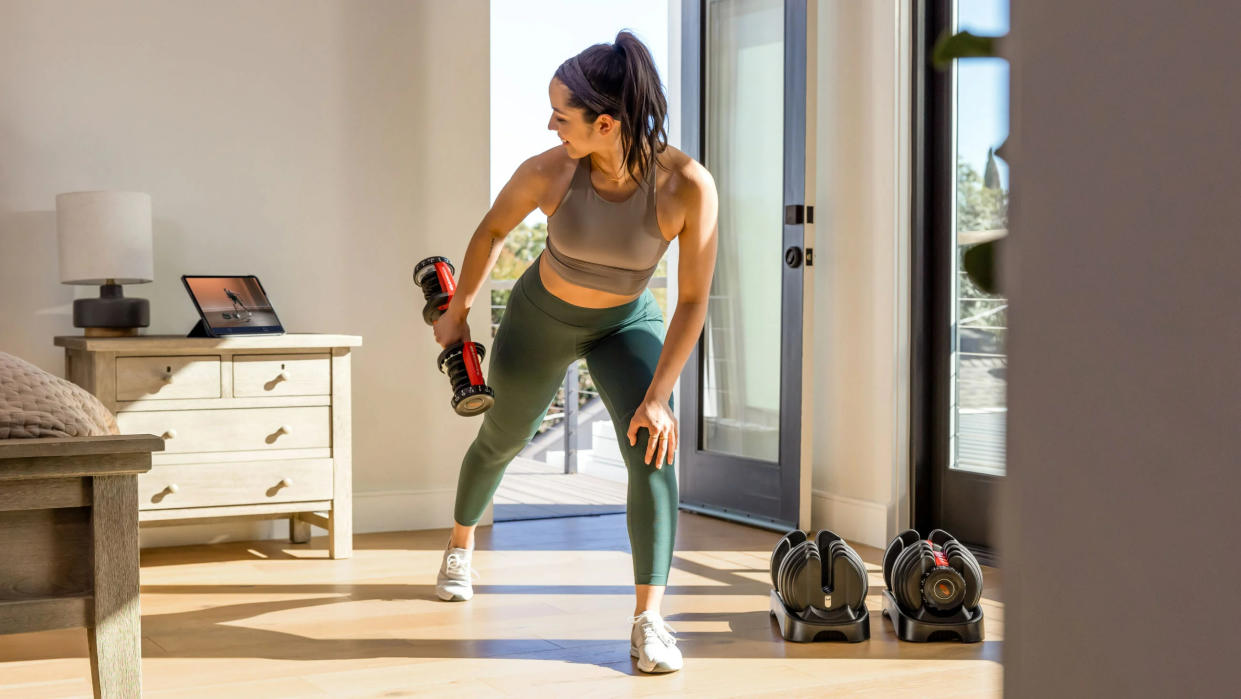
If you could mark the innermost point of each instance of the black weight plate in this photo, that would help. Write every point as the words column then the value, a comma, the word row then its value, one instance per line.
column 781, row 550
column 898, row 544
column 963, row 561
column 809, row 581
column 790, row 569
column 851, row 577
column 939, row 537
column 907, row 574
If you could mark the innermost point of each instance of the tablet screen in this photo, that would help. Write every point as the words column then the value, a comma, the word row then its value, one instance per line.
column 233, row 305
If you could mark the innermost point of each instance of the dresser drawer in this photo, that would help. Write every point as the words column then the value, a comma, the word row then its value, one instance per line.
column 167, row 377
column 282, row 375
column 259, row 482
column 237, row 429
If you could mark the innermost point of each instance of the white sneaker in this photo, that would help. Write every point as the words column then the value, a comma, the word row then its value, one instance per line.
column 653, row 644
column 455, row 580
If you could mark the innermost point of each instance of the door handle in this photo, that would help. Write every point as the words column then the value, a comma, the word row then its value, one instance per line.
column 792, row 257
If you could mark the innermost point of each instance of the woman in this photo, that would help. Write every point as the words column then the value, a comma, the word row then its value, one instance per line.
column 615, row 195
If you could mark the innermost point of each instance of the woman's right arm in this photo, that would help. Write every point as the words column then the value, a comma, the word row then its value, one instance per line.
column 516, row 200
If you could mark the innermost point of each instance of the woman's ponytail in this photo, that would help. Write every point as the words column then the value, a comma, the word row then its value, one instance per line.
column 621, row 81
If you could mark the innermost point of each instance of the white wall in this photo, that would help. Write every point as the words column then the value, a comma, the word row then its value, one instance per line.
column 325, row 146
column 1124, row 383
column 861, row 287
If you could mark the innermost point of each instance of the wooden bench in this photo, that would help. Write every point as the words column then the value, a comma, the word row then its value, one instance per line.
column 69, row 546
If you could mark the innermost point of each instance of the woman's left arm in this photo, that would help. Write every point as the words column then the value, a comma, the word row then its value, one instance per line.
column 694, row 272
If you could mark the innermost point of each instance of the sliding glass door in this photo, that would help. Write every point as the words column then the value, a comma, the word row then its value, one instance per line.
column 744, row 118
column 961, row 200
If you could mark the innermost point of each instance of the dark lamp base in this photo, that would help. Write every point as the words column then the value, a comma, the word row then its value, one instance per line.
column 111, row 314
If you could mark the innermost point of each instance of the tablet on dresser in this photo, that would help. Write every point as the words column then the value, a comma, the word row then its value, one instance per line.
column 235, row 305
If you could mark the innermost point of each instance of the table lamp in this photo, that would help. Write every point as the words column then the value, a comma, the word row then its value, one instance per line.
column 105, row 240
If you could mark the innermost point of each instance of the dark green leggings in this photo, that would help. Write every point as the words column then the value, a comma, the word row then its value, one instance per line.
column 538, row 337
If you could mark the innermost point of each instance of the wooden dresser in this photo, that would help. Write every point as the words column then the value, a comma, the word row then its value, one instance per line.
column 254, row 427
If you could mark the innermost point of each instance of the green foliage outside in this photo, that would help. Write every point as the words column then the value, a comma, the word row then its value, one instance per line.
column 979, row 208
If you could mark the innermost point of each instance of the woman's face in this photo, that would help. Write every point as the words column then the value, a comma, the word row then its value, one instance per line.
column 579, row 138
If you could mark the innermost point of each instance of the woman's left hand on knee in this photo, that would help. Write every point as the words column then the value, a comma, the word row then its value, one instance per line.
column 662, row 434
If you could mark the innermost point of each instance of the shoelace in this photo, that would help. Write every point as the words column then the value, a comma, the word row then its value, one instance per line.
column 660, row 630
column 455, row 563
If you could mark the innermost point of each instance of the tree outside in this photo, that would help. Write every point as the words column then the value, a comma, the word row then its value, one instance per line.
column 979, row 208
column 982, row 205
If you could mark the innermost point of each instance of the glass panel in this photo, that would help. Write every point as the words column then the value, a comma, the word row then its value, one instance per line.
column 744, row 149
column 979, row 411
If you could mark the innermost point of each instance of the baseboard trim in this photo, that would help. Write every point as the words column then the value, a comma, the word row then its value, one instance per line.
column 380, row 511
column 860, row 521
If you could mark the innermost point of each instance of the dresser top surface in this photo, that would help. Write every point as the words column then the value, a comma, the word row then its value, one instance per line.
column 177, row 343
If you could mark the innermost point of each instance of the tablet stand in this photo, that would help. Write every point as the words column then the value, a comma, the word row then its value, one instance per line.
column 199, row 330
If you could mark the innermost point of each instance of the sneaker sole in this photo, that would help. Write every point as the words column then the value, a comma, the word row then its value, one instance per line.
column 633, row 652
column 450, row 597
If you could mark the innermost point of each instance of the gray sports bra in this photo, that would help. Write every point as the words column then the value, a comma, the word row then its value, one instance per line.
column 605, row 245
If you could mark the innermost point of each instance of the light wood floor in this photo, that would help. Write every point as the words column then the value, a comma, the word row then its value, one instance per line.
column 550, row 618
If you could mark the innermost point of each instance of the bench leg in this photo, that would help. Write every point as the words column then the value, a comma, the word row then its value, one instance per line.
column 299, row 531
column 115, row 634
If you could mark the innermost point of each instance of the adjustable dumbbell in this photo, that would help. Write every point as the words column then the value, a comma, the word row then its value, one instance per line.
column 931, row 578
column 821, row 577
column 462, row 361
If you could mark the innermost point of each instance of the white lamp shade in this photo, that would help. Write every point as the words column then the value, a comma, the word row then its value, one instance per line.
column 105, row 235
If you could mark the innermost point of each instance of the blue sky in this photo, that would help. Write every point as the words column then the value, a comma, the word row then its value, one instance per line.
column 982, row 96
column 529, row 40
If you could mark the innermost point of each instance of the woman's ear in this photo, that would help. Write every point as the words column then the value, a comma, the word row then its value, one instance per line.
column 606, row 124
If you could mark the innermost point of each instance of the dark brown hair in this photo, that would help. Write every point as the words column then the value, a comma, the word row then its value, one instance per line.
column 620, row 80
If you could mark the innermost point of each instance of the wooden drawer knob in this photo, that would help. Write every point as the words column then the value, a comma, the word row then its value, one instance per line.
column 285, row 429
column 286, row 482
column 167, row 376
column 172, row 488
column 169, row 434
column 283, row 376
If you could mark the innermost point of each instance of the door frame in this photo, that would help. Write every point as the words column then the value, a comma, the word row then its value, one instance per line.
column 935, row 486
column 797, row 333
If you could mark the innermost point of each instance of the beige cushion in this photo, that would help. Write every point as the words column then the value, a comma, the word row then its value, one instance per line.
column 34, row 403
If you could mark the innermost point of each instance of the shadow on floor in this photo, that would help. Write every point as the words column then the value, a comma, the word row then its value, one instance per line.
column 214, row 633
column 519, row 512
column 603, row 532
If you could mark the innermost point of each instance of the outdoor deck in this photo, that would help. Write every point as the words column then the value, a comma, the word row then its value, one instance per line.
column 535, row 490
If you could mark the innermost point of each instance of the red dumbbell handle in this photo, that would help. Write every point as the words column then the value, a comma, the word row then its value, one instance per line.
column 472, row 368
column 468, row 353
column 446, row 282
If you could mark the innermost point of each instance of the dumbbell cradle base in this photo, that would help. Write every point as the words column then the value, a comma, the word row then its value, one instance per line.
column 965, row 627
column 803, row 628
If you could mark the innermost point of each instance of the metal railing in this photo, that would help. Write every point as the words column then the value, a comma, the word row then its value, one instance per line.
column 564, row 406
column 988, row 327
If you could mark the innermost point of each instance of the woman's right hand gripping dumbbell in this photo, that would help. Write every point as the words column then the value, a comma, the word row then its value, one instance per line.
column 451, row 327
